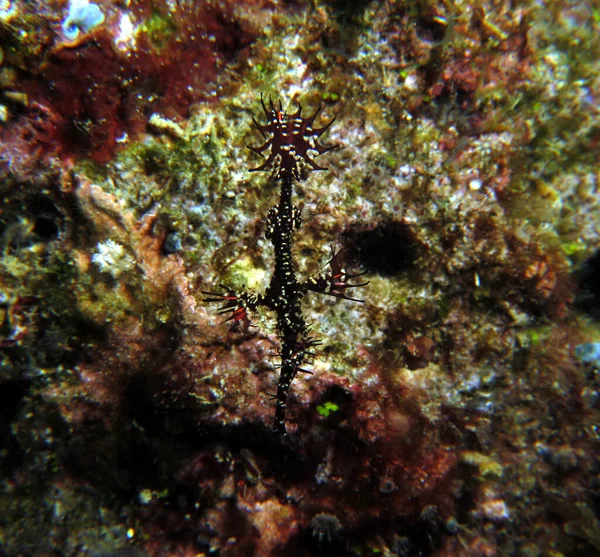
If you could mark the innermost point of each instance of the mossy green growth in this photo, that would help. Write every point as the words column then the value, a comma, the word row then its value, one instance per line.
column 243, row 273
column 390, row 161
column 573, row 249
column 260, row 68
column 174, row 164
column 485, row 465
column 443, row 306
column 93, row 171
column 327, row 408
column 159, row 29
column 534, row 338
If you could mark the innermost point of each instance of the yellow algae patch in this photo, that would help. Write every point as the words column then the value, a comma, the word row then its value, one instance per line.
column 487, row 466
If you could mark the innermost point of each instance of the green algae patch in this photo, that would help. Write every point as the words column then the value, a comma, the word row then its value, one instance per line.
column 486, row 465
column 159, row 30
column 327, row 408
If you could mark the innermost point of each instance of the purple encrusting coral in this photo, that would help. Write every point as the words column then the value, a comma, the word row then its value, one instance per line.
column 453, row 413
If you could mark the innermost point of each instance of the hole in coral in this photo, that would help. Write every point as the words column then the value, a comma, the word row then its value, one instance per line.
column 588, row 283
column 334, row 405
column 46, row 228
column 155, row 161
column 430, row 29
column 344, row 9
column 47, row 219
column 337, row 394
column 388, row 249
column 27, row 221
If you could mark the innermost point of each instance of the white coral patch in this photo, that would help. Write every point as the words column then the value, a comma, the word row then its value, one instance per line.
column 112, row 258
column 125, row 40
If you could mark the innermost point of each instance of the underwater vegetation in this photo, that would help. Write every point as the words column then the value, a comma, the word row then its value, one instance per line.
column 452, row 405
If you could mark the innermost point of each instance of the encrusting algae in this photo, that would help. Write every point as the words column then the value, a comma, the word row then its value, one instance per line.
column 454, row 412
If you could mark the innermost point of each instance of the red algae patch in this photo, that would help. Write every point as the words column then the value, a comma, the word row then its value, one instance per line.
column 100, row 90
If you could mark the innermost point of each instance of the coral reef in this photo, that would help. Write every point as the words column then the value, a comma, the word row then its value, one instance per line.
column 453, row 413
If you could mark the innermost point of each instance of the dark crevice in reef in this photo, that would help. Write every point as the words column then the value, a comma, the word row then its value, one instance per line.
column 27, row 220
column 12, row 393
column 198, row 465
column 588, row 283
column 348, row 11
column 430, row 28
column 389, row 249
column 342, row 398
column 150, row 451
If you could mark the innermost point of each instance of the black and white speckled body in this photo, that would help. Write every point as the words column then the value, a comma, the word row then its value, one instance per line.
column 285, row 295
column 288, row 140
